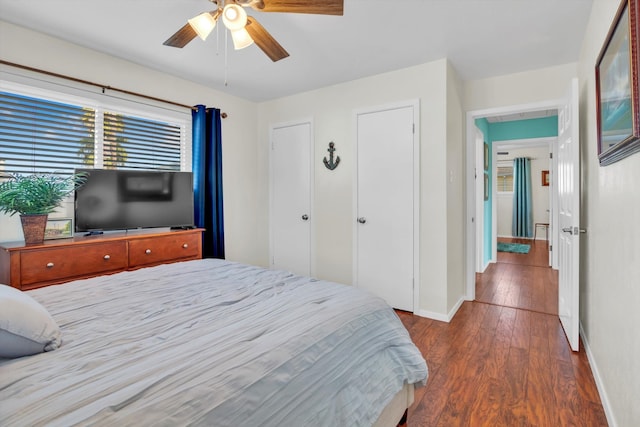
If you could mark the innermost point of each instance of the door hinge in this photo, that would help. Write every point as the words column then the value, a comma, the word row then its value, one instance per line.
column 413, row 128
column 551, row 248
column 551, row 155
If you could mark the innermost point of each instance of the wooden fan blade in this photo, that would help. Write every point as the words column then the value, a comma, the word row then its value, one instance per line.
column 183, row 36
column 265, row 41
column 318, row 7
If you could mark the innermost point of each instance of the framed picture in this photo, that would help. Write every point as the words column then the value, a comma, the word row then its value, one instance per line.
column 486, row 156
column 486, row 186
column 58, row 228
column 545, row 178
column 617, row 106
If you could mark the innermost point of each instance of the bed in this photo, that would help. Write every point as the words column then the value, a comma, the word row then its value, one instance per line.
column 212, row 343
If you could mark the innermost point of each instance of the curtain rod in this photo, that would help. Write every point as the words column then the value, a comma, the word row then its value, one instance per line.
column 102, row 86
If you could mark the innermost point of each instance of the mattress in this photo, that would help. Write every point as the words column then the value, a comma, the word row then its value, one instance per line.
column 211, row 343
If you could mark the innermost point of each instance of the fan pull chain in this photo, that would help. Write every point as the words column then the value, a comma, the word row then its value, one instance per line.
column 217, row 40
column 225, row 57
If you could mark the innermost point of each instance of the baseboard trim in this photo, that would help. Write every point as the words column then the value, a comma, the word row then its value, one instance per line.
column 608, row 411
column 439, row 316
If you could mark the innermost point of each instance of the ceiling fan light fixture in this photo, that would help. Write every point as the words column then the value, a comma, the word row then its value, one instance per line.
column 203, row 24
column 241, row 39
column 234, row 17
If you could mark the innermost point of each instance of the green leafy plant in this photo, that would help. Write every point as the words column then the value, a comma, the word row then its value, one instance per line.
column 36, row 193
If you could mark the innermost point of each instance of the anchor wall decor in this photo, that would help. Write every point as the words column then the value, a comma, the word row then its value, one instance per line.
column 331, row 164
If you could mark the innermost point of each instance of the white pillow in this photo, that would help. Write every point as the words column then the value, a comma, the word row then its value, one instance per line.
column 26, row 327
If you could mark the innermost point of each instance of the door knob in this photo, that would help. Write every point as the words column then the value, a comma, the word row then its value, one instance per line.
column 574, row 230
column 305, row 217
column 362, row 220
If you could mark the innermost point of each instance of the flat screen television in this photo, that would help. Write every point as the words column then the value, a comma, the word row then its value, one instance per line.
column 124, row 199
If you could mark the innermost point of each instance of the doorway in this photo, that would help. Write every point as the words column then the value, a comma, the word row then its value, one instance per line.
column 538, row 151
column 475, row 229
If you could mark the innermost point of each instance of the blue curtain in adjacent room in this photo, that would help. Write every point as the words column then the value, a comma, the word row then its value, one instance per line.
column 522, row 225
column 207, row 179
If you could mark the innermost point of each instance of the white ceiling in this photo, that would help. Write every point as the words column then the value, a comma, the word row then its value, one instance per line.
column 481, row 38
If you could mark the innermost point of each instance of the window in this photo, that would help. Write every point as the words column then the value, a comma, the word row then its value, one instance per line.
column 42, row 135
column 504, row 179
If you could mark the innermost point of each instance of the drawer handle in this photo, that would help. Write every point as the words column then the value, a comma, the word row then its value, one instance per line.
column 107, row 257
column 184, row 245
column 50, row 265
column 148, row 251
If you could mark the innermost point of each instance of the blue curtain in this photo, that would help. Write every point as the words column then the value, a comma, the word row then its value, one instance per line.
column 522, row 225
column 207, row 179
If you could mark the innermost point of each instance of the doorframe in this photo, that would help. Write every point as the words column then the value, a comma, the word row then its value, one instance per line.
column 312, row 233
column 470, row 225
column 479, row 183
column 548, row 142
column 415, row 104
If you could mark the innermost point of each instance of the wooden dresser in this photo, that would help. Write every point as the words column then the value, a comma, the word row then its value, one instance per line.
column 63, row 260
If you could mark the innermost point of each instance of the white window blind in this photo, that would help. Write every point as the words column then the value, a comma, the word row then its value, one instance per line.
column 138, row 143
column 505, row 179
column 40, row 135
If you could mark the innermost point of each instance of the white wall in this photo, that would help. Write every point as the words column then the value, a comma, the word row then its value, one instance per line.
column 504, row 213
column 455, row 176
column 610, row 250
column 539, row 194
column 245, row 206
column 520, row 88
column 332, row 109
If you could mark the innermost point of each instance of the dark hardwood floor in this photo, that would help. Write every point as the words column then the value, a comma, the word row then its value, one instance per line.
column 521, row 280
column 504, row 360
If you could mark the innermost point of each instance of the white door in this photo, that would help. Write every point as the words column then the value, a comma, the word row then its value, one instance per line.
column 385, row 212
column 569, row 216
column 291, row 197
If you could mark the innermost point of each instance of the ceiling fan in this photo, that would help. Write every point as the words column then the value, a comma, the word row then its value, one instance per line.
column 246, row 30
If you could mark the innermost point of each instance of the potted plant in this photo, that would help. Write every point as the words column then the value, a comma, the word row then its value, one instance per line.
column 34, row 197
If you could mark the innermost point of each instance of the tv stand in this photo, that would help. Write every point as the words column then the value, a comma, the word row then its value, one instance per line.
column 62, row 260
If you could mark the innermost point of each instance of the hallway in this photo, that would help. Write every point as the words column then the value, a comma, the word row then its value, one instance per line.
column 504, row 360
column 520, row 280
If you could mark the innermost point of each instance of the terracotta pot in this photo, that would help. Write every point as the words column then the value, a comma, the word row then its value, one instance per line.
column 33, row 227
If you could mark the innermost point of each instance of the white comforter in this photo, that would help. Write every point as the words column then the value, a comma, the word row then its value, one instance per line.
column 211, row 343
